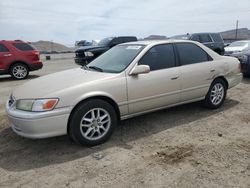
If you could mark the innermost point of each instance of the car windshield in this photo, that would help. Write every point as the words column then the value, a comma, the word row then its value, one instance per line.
column 116, row 59
column 239, row 44
column 105, row 41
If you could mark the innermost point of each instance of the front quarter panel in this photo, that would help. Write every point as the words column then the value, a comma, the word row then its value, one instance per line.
column 114, row 88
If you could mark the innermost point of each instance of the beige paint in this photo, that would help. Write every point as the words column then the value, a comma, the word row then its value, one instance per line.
column 135, row 94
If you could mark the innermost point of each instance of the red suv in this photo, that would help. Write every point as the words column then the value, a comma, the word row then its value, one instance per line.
column 18, row 58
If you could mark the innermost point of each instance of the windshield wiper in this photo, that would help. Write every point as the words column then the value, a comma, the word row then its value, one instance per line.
column 96, row 68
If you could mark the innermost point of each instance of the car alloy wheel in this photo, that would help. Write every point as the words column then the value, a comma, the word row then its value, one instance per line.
column 95, row 124
column 19, row 71
column 217, row 94
column 92, row 122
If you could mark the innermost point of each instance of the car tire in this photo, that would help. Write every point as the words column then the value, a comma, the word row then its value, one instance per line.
column 92, row 122
column 19, row 71
column 216, row 94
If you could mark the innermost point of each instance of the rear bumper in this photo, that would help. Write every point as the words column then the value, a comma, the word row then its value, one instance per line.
column 36, row 66
column 234, row 80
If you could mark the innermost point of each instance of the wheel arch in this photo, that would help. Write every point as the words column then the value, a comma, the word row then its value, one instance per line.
column 17, row 61
column 222, row 78
column 101, row 97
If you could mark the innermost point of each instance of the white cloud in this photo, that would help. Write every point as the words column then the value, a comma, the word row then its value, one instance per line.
column 66, row 21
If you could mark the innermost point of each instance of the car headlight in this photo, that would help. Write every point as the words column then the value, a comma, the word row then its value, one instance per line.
column 38, row 105
column 243, row 58
column 90, row 54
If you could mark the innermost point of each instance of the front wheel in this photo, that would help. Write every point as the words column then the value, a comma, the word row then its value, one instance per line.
column 92, row 122
column 216, row 94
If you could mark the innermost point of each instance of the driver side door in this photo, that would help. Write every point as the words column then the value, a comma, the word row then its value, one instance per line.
column 158, row 88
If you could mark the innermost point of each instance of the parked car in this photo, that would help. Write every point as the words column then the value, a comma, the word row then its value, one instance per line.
column 84, row 55
column 213, row 41
column 18, row 58
column 244, row 57
column 128, row 80
column 237, row 47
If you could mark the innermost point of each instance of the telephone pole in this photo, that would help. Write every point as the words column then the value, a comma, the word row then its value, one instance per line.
column 236, row 31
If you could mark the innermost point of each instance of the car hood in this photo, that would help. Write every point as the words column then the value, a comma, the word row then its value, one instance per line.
column 91, row 48
column 234, row 49
column 52, row 84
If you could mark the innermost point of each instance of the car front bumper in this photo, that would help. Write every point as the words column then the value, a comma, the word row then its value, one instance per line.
column 245, row 68
column 36, row 125
column 83, row 60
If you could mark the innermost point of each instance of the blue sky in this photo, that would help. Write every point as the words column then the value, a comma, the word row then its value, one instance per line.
column 67, row 21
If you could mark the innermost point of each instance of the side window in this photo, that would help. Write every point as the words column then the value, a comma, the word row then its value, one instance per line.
column 23, row 46
column 217, row 37
column 116, row 41
column 128, row 39
column 195, row 38
column 205, row 38
column 191, row 54
column 3, row 48
column 159, row 57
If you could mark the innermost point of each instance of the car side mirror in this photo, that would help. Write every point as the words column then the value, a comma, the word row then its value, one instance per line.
column 140, row 69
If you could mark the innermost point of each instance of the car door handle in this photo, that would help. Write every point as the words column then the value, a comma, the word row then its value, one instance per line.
column 7, row 55
column 175, row 78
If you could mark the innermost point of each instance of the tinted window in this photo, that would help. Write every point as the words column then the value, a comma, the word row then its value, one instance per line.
column 116, row 41
column 159, row 57
column 129, row 39
column 205, row 38
column 217, row 37
column 3, row 48
column 23, row 46
column 195, row 38
column 191, row 53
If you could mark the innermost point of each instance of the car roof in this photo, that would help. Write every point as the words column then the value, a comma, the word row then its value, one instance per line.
column 12, row 41
column 155, row 42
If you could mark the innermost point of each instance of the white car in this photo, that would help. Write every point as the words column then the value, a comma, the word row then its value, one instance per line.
column 237, row 47
column 128, row 80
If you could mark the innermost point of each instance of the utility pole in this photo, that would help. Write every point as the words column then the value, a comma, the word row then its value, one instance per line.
column 236, row 31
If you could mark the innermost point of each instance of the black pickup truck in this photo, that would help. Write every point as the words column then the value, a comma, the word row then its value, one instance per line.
column 84, row 55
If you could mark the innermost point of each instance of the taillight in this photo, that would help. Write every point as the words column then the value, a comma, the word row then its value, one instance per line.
column 36, row 55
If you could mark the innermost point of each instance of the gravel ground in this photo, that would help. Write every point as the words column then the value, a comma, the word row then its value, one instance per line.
column 185, row 146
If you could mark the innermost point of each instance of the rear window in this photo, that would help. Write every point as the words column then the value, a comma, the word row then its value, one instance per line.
column 3, row 48
column 23, row 46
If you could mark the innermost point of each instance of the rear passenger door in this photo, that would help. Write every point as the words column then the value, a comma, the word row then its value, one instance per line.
column 160, row 87
column 195, row 69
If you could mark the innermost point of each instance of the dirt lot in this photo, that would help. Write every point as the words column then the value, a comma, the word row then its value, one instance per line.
column 185, row 146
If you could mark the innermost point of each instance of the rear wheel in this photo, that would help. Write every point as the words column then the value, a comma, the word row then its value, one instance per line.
column 19, row 71
column 92, row 122
column 216, row 94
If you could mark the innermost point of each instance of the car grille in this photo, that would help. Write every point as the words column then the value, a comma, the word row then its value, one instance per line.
column 11, row 100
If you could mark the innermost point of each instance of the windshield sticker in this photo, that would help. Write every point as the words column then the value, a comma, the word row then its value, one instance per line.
column 133, row 47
